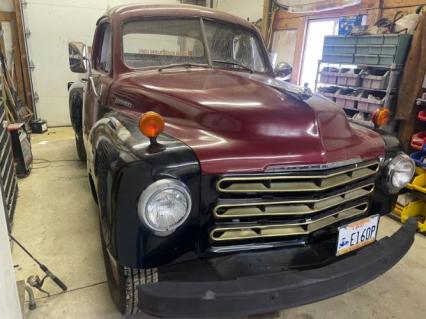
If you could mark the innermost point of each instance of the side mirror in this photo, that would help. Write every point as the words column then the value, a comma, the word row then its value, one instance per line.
column 78, row 57
column 283, row 70
column 273, row 58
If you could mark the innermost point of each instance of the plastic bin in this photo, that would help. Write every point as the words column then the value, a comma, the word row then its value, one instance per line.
column 388, row 50
column 404, row 42
column 329, row 91
column 328, row 75
column 370, row 39
column 418, row 140
column 339, row 49
column 347, row 98
column 340, row 100
column 422, row 116
column 375, row 79
column 370, row 102
column 338, row 58
column 368, row 49
column 386, row 59
column 390, row 39
column 339, row 40
column 349, row 77
column 366, row 59
column 420, row 158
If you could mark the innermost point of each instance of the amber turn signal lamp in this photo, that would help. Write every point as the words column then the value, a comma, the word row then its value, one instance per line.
column 151, row 124
column 381, row 117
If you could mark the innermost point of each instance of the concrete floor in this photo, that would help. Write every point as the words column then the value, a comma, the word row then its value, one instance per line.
column 56, row 220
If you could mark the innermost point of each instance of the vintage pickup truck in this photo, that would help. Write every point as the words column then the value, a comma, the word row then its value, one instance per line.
column 223, row 190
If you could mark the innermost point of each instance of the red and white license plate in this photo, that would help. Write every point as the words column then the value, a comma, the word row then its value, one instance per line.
column 357, row 234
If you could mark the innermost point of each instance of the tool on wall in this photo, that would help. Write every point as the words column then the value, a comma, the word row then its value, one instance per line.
column 35, row 281
column 17, row 108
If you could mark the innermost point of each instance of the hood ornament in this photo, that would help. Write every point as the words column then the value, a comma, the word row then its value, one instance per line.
column 301, row 93
column 307, row 92
column 298, row 92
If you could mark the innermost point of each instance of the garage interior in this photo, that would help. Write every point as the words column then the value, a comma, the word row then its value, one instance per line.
column 47, row 203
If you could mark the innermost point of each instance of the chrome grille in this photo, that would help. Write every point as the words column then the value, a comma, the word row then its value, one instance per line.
column 289, row 207
column 290, row 229
column 295, row 183
column 294, row 204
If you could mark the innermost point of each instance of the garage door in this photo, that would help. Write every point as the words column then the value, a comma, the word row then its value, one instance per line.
column 52, row 24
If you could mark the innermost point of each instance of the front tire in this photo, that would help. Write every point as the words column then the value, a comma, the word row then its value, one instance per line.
column 79, row 144
column 123, row 282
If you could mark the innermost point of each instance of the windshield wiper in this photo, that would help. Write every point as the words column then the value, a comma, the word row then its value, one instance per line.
column 184, row 65
column 234, row 63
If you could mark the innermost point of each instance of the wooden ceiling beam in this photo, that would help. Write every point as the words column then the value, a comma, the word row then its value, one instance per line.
column 388, row 4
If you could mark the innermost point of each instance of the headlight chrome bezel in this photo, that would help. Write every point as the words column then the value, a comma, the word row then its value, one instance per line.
column 153, row 190
column 391, row 169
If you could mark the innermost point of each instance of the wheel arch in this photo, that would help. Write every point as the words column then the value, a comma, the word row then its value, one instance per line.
column 76, row 105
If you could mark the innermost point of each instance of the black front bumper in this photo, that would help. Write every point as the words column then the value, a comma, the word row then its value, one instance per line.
column 272, row 292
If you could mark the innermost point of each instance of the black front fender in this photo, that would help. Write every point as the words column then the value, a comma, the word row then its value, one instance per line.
column 124, row 164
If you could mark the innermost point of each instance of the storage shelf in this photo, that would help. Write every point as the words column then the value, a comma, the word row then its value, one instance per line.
column 381, row 66
column 418, row 194
column 387, row 94
column 363, row 65
column 394, row 216
column 357, row 110
column 397, row 218
column 357, row 87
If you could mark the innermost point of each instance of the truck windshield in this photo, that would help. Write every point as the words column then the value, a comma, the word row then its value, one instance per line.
column 162, row 42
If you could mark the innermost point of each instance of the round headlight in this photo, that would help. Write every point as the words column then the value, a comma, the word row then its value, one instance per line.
column 399, row 172
column 164, row 206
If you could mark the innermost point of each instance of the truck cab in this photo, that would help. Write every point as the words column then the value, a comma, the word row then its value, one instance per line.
column 222, row 189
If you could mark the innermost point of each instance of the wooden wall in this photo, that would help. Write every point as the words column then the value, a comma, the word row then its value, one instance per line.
column 22, row 71
column 375, row 9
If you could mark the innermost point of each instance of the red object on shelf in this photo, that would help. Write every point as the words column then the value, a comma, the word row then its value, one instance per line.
column 418, row 140
column 422, row 115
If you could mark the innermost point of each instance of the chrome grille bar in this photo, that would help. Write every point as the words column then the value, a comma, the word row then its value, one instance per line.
column 289, row 207
column 235, row 233
column 297, row 183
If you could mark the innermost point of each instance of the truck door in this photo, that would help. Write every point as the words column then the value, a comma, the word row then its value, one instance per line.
column 96, row 92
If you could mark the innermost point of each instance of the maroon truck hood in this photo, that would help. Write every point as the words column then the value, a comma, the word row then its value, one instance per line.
column 237, row 122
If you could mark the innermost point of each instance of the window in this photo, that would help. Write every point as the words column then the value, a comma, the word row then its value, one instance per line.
column 284, row 45
column 163, row 42
column 317, row 30
column 105, row 59
column 230, row 44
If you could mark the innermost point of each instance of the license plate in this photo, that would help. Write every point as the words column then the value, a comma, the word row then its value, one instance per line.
column 357, row 234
